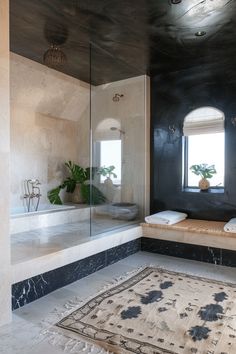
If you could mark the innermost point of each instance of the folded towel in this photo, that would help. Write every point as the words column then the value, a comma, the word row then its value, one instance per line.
column 167, row 217
column 230, row 226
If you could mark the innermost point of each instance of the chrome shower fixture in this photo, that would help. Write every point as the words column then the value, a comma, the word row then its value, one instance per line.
column 117, row 97
column 119, row 130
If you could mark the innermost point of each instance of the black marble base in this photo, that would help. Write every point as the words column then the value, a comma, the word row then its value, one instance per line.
column 187, row 251
column 32, row 289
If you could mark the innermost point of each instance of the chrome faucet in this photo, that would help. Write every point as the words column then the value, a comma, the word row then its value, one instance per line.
column 32, row 191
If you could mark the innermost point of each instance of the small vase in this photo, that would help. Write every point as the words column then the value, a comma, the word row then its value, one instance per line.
column 108, row 182
column 204, row 184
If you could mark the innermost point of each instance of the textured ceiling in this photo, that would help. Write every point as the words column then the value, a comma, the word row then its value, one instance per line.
column 127, row 37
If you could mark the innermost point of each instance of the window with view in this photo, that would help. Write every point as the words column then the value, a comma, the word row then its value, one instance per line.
column 204, row 144
column 110, row 155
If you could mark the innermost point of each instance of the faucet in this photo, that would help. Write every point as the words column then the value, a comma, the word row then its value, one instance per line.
column 32, row 191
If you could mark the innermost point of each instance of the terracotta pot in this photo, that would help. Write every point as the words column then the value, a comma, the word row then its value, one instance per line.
column 204, row 184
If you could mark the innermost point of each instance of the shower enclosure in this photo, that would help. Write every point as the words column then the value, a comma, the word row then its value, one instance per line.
column 97, row 120
column 118, row 146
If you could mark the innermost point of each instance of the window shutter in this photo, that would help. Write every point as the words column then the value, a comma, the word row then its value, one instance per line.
column 205, row 120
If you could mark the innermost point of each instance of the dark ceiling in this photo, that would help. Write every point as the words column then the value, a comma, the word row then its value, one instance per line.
column 127, row 37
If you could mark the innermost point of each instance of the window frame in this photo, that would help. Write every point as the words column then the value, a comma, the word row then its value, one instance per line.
column 194, row 189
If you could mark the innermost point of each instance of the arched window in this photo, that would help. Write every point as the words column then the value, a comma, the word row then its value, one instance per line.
column 204, row 143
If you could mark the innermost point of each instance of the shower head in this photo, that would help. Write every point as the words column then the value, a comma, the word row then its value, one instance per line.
column 117, row 97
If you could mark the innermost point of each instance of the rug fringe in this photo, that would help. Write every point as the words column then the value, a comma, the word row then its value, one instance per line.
column 55, row 336
column 70, row 345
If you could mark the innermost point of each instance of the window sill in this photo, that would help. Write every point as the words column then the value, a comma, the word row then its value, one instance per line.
column 208, row 191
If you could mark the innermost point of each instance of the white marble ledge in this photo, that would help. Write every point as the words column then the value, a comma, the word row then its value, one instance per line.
column 88, row 247
column 34, row 221
column 197, row 237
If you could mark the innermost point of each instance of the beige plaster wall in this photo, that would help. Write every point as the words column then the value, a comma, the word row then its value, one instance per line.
column 49, row 115
column 5, row 275
column 50, row 124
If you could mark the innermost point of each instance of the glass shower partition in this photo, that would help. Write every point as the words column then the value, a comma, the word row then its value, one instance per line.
column 118, row 128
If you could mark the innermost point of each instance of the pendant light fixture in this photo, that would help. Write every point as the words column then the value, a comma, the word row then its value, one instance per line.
column 54, row 57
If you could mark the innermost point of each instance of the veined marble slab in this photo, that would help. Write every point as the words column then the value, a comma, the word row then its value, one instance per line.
column 63, row 249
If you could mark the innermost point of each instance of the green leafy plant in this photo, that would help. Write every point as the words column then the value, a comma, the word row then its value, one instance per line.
column 107, row 171
column 203, row 170
column 81, row 176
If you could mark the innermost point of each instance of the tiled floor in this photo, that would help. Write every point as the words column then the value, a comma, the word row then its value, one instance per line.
column 23, row 335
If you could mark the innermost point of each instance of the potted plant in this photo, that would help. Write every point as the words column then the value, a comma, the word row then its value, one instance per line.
column 205, row 172
column 79, row 178
column 107, row 172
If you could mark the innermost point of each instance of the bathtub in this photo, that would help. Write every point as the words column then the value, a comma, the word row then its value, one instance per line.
column 46, row 216
column 44, row 208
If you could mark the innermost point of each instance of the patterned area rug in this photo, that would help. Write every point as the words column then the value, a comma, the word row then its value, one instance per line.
column 158, row 312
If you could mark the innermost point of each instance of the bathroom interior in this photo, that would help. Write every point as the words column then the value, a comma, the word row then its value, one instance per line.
column 100, row 105
column 88, row 135
column 79, row 144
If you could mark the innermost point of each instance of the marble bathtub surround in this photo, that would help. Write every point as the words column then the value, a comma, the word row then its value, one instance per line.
column 32, row 289
column 5, row 271
column 36, row 221
column 43, row 250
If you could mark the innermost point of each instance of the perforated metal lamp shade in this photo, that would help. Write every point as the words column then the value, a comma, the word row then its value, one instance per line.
column 54, row 57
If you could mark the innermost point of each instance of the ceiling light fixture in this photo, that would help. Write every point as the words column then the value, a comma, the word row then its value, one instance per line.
column 54, row 57
column 200, row 33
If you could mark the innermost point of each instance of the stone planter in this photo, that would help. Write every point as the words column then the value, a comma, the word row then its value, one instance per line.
column 124, row 211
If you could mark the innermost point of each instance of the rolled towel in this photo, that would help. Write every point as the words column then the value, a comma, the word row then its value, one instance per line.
column 167, row 217
column 230, row 226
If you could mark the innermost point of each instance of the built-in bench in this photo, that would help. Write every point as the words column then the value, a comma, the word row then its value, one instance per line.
column 200, row 240
column 196, row 232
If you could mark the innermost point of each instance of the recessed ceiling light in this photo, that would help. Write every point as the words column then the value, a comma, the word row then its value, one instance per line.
column 176, row 2
column 200, row 33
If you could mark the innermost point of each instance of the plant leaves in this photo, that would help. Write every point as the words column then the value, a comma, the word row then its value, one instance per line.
column 70, row 185
column 97, row 197
column 204, row 170
column 54, row 196
column 78, row 173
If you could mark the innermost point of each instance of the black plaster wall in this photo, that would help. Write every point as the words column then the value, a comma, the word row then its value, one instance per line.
column 173, row 96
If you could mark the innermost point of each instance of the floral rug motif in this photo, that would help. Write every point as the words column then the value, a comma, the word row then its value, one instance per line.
column 159, row 312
